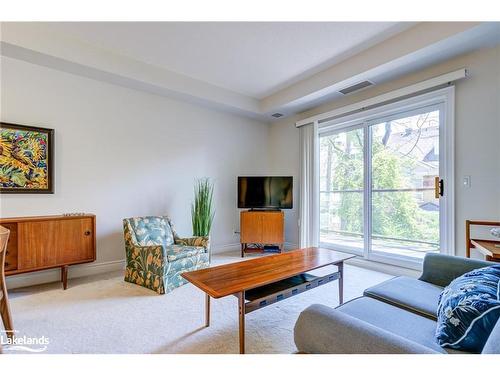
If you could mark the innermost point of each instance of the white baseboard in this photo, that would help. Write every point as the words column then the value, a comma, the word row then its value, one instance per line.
column 218, row 249
column 371, row 265
column 237, row 247
column 382, row 267
column 53, row 275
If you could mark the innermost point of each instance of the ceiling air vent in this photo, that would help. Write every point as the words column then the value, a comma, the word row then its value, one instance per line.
column 277, row 115
column 356, row 87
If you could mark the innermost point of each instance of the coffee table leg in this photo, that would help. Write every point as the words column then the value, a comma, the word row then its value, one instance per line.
column 207, row 310
column 241, row 312
column 341, row 282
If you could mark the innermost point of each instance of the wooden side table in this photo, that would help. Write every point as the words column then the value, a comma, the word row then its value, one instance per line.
column 489, row 248
column 261, row 228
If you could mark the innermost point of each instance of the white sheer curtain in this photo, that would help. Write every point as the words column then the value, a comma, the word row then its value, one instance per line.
column 309, row 186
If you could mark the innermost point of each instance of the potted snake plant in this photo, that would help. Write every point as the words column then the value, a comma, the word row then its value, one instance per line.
column 202, row 209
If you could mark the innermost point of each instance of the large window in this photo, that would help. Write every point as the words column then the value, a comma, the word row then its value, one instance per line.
column 381, row 182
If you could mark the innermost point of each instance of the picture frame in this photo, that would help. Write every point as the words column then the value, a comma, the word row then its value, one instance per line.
column 26, row 159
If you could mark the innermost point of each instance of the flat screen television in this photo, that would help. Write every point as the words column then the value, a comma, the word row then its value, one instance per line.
column 269, row 192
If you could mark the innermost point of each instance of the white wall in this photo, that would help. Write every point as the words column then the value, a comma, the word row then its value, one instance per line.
column 121, row 153
column 285, row 161
column 477, row 134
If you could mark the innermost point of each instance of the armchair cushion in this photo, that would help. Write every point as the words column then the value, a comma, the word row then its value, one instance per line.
column 152, row 230
column 176, row 252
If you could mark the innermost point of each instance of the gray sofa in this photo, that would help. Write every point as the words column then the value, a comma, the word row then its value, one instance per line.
column 397, row 316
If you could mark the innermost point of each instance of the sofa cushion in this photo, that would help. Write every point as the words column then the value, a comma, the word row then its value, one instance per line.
column 152, row 230
column 468, row 309
column 323, row 330
column 440, row 269
column 395, row 320
column 410, row 294
column 175, row 252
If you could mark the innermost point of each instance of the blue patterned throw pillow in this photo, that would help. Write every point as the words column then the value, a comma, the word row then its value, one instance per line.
column 468, row 309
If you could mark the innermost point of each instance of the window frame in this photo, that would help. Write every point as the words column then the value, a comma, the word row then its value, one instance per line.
column 442, row 99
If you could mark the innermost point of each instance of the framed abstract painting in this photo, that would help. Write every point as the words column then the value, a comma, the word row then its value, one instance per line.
column 26, row 159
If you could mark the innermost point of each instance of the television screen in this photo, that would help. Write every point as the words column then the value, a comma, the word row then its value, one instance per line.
column 265, row 192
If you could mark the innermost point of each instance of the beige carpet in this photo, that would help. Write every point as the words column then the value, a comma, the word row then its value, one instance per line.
column 104, row 314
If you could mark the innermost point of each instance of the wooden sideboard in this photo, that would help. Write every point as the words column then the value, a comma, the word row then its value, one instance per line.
column 262, row 228
column 42, row 242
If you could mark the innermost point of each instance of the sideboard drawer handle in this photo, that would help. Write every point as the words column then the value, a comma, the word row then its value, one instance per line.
column 7, row 252
column 6, row 264
column 87, row 233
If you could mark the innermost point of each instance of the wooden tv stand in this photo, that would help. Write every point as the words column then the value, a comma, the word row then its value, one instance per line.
column 42, row 242
column 261, row 228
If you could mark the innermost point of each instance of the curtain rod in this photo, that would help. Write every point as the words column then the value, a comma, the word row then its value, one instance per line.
column 391, row 95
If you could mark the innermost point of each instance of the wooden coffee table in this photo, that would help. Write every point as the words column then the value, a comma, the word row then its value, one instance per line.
column 260, row 282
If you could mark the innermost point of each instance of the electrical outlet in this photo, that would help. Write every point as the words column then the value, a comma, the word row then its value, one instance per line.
column 466, row 181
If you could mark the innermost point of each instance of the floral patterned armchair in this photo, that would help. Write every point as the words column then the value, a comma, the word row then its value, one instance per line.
column 156, row 255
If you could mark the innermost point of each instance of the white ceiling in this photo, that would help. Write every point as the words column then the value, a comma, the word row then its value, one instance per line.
column 250, row 58
column 250, row 69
